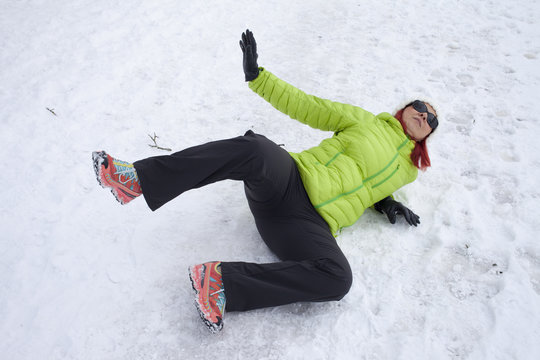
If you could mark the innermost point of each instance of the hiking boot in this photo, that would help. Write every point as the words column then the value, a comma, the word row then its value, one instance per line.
column 209, row 293
column 118, row 175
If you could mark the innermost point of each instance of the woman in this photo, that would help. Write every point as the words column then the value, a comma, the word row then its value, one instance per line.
column 299, row 200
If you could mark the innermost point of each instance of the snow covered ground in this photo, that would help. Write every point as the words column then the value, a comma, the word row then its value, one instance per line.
column 82, row 277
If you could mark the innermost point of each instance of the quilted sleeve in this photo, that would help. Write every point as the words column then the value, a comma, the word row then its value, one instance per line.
column 308, row 109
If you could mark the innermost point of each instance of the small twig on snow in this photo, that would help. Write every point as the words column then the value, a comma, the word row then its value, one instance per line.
column 52, row 111
column 155, row 143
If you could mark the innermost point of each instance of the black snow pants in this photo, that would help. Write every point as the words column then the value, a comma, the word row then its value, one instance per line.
column 313, row 268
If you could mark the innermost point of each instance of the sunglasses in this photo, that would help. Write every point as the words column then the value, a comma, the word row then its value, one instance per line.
column 421, row 107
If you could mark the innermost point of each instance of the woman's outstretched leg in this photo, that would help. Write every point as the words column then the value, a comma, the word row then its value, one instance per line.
column 259, row 162
column 244, row 158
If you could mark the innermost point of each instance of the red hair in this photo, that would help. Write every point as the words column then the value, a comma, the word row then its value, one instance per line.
column 419, row 155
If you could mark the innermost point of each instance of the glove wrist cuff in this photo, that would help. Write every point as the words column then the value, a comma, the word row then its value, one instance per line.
column 252, row 75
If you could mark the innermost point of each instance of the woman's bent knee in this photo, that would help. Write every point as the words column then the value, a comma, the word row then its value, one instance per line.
column 339, row 277
column 344, row 284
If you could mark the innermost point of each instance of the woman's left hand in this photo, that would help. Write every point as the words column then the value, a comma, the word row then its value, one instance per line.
column 249, row 51
column 391, row 208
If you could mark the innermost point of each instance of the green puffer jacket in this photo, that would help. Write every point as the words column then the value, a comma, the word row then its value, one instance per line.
column 366, row 160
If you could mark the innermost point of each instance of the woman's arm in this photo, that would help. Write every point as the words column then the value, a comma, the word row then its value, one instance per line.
column 311, row 110
column 316, row 112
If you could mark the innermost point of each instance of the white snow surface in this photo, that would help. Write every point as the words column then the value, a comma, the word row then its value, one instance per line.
column 82, row 277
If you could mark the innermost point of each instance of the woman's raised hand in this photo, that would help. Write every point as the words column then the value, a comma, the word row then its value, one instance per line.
column 249, row 49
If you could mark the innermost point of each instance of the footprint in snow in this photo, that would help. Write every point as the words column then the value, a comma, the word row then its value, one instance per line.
column 529, row 260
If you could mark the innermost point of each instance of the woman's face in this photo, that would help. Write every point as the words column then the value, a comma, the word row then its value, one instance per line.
column 416, row 122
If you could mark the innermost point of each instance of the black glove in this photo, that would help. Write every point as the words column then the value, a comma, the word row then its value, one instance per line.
column 391, row 208
column 249, row 48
